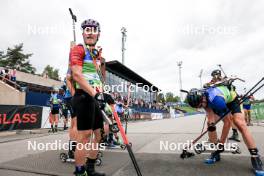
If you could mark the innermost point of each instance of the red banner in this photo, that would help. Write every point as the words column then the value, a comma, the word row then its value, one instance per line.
column 20, row 117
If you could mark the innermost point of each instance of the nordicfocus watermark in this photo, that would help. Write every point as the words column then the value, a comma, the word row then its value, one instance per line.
column 208, row 29
column 124, row 87
column 59, row 145
column 172, row 146
column 46, row 30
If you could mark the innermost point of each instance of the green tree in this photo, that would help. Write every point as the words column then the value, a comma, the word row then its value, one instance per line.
column 16, row 59
column 169, row 97
column 1, row 59
column 176, row 99
column 51, row 72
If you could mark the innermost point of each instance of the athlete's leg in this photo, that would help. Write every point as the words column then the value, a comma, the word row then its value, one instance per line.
column 73, row 134
column 80, row 152
column 211, row 118
column 249, row 141
column 239, row 121
column 226, row 128
column 56, row 121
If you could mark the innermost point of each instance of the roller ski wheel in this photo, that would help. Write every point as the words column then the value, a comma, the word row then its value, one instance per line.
column 63, row 157
column 213, row 159
column 98, row 162
column 123, row 146
column 186, row 154
column 199, row 148
column 237, row 151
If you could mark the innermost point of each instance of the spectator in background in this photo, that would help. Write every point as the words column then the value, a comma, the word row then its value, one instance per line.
column 7, row 74
column 1, row 73
column 55, row 106
column 13, row 75
column 136, row 103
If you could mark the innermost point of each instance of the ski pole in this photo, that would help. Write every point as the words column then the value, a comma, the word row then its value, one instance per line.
column 186, row 154
column 121, row 129
column 74, row 20
column 219, row 65
column 125, row 139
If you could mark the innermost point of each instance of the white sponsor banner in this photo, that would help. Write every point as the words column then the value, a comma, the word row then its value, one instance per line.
column 156, row 116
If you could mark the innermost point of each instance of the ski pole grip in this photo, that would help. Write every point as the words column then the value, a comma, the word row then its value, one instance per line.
column 185, row 91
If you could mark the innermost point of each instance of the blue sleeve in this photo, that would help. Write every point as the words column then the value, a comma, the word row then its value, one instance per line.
column 218, row 105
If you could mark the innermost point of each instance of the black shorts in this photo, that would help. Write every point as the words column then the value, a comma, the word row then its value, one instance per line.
column 65, row 113
column 68, row 103
column 89, row 115
column 54, row 111
column 234, row 106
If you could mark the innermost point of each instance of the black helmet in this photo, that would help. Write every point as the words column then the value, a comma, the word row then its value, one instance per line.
column 194, row 97
column 216, row 72
column 90, row 23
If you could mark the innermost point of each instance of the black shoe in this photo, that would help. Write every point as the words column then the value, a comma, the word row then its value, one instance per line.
column 256, row 163
column 235, row 137
column 95, row 173
column 71, row 154
column 215, row 157
column 90, row 168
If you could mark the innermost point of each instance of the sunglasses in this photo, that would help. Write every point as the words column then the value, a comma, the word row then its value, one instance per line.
column 91, row 30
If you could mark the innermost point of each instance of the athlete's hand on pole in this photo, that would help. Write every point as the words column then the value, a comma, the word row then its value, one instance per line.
column 104, row 97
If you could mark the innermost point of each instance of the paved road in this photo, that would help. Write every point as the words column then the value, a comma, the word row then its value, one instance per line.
column 147, row 137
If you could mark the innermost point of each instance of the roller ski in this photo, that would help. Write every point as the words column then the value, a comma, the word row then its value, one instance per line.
column 66, row 157
column 69, row 158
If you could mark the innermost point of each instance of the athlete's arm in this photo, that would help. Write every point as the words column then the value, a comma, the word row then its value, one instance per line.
column 76, row 59
column 69, row 84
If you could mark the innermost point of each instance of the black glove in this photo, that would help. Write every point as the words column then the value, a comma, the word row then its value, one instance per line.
column 99, row 97
column 107, row 98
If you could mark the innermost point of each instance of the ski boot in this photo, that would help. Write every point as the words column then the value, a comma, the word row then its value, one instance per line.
column 215, row 157
column 235, row 136
column 90, row 168
column 52, row 129
column 257, row 166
